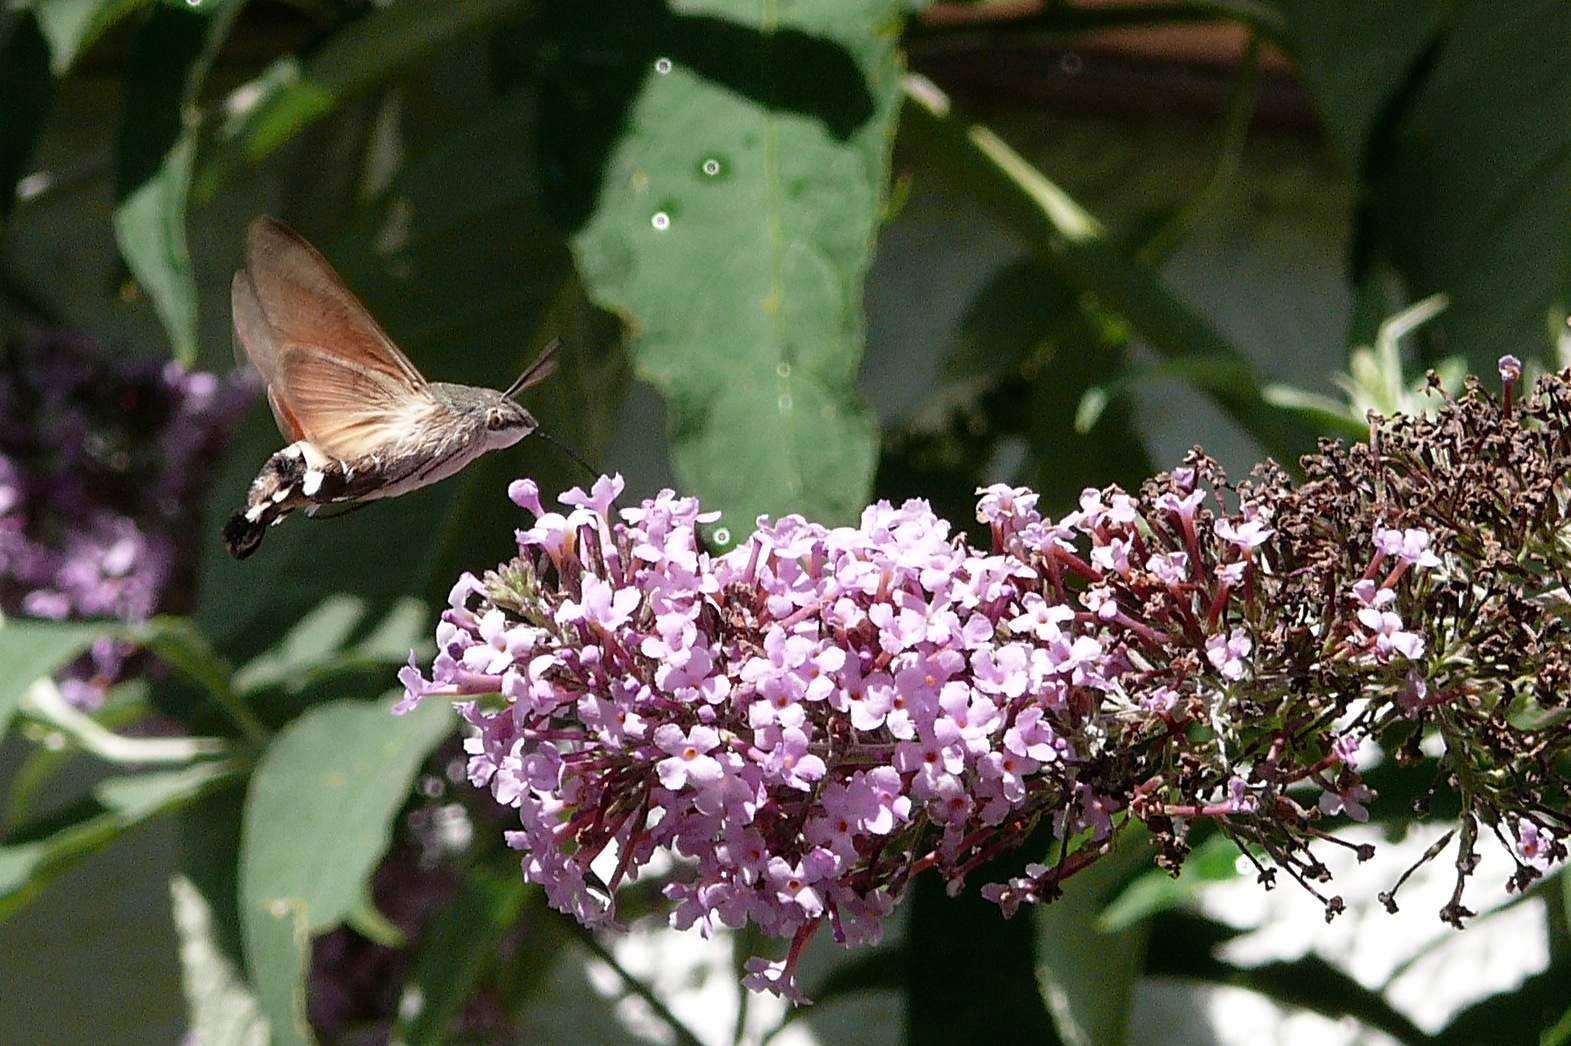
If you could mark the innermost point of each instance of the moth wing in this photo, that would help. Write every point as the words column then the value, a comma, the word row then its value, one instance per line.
column 256, row 341
column 347, row 410
column 333, row 375
column 307, row 303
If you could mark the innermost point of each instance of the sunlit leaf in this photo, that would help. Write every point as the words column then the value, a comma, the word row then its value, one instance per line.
column 221, row 1007
column 740, row 169
column 72, row 26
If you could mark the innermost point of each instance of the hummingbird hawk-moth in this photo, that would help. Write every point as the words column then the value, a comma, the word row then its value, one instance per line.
column 364, row 423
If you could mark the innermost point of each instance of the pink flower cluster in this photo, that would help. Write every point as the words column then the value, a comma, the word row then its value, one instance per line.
column 820, row 713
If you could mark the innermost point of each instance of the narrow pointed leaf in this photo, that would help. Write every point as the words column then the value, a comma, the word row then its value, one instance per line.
column 318, row 817
column 30, row 650
column 31, row 859
column 155, row 153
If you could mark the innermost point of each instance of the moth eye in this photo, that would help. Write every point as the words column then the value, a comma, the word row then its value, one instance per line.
column 495, row 420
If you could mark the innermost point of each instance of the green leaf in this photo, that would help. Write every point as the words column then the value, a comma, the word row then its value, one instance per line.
column 1088, row 971
column 31, row 650
column 744, row 167
column 318, row 817
column 221, row 1008
column 298, row 89
column 322, row 802
column 1453, row 111
column 1153, row 891
column 150, row 229
column 969, row 971
column 1072, row 244
column 1356, row 56
column 278, row 943
column 27, row 87
column 155, row 153
column 33, row 857
column 72, row 26
column 316, row 639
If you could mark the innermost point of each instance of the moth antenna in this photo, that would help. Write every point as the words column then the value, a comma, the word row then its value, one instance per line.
column 565, row 449
column 537, row 371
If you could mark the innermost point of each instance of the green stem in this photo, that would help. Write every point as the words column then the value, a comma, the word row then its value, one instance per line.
column 1073, row 245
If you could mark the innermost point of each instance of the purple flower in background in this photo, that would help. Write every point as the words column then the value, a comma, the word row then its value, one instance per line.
column 105, row 459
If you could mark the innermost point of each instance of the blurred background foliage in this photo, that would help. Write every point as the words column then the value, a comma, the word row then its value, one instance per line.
column 800, row 255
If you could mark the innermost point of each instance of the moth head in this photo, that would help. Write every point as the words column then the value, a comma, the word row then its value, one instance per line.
column 506, row 422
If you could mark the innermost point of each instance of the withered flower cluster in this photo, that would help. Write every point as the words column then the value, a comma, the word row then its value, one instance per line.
column 1468, row 662
column 818, row 714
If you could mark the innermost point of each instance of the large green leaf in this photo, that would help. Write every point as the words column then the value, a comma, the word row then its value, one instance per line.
column 1356, row 55
column 738, row 195
column 318, row 817
column 155, row 153
column 322, row 802
column 1088, row 971
column 969, row 972
column 1453, row 113
column 278, row 951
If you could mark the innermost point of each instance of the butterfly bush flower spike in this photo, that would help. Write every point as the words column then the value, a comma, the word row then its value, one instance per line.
column 104, row 461
column 809, row 720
